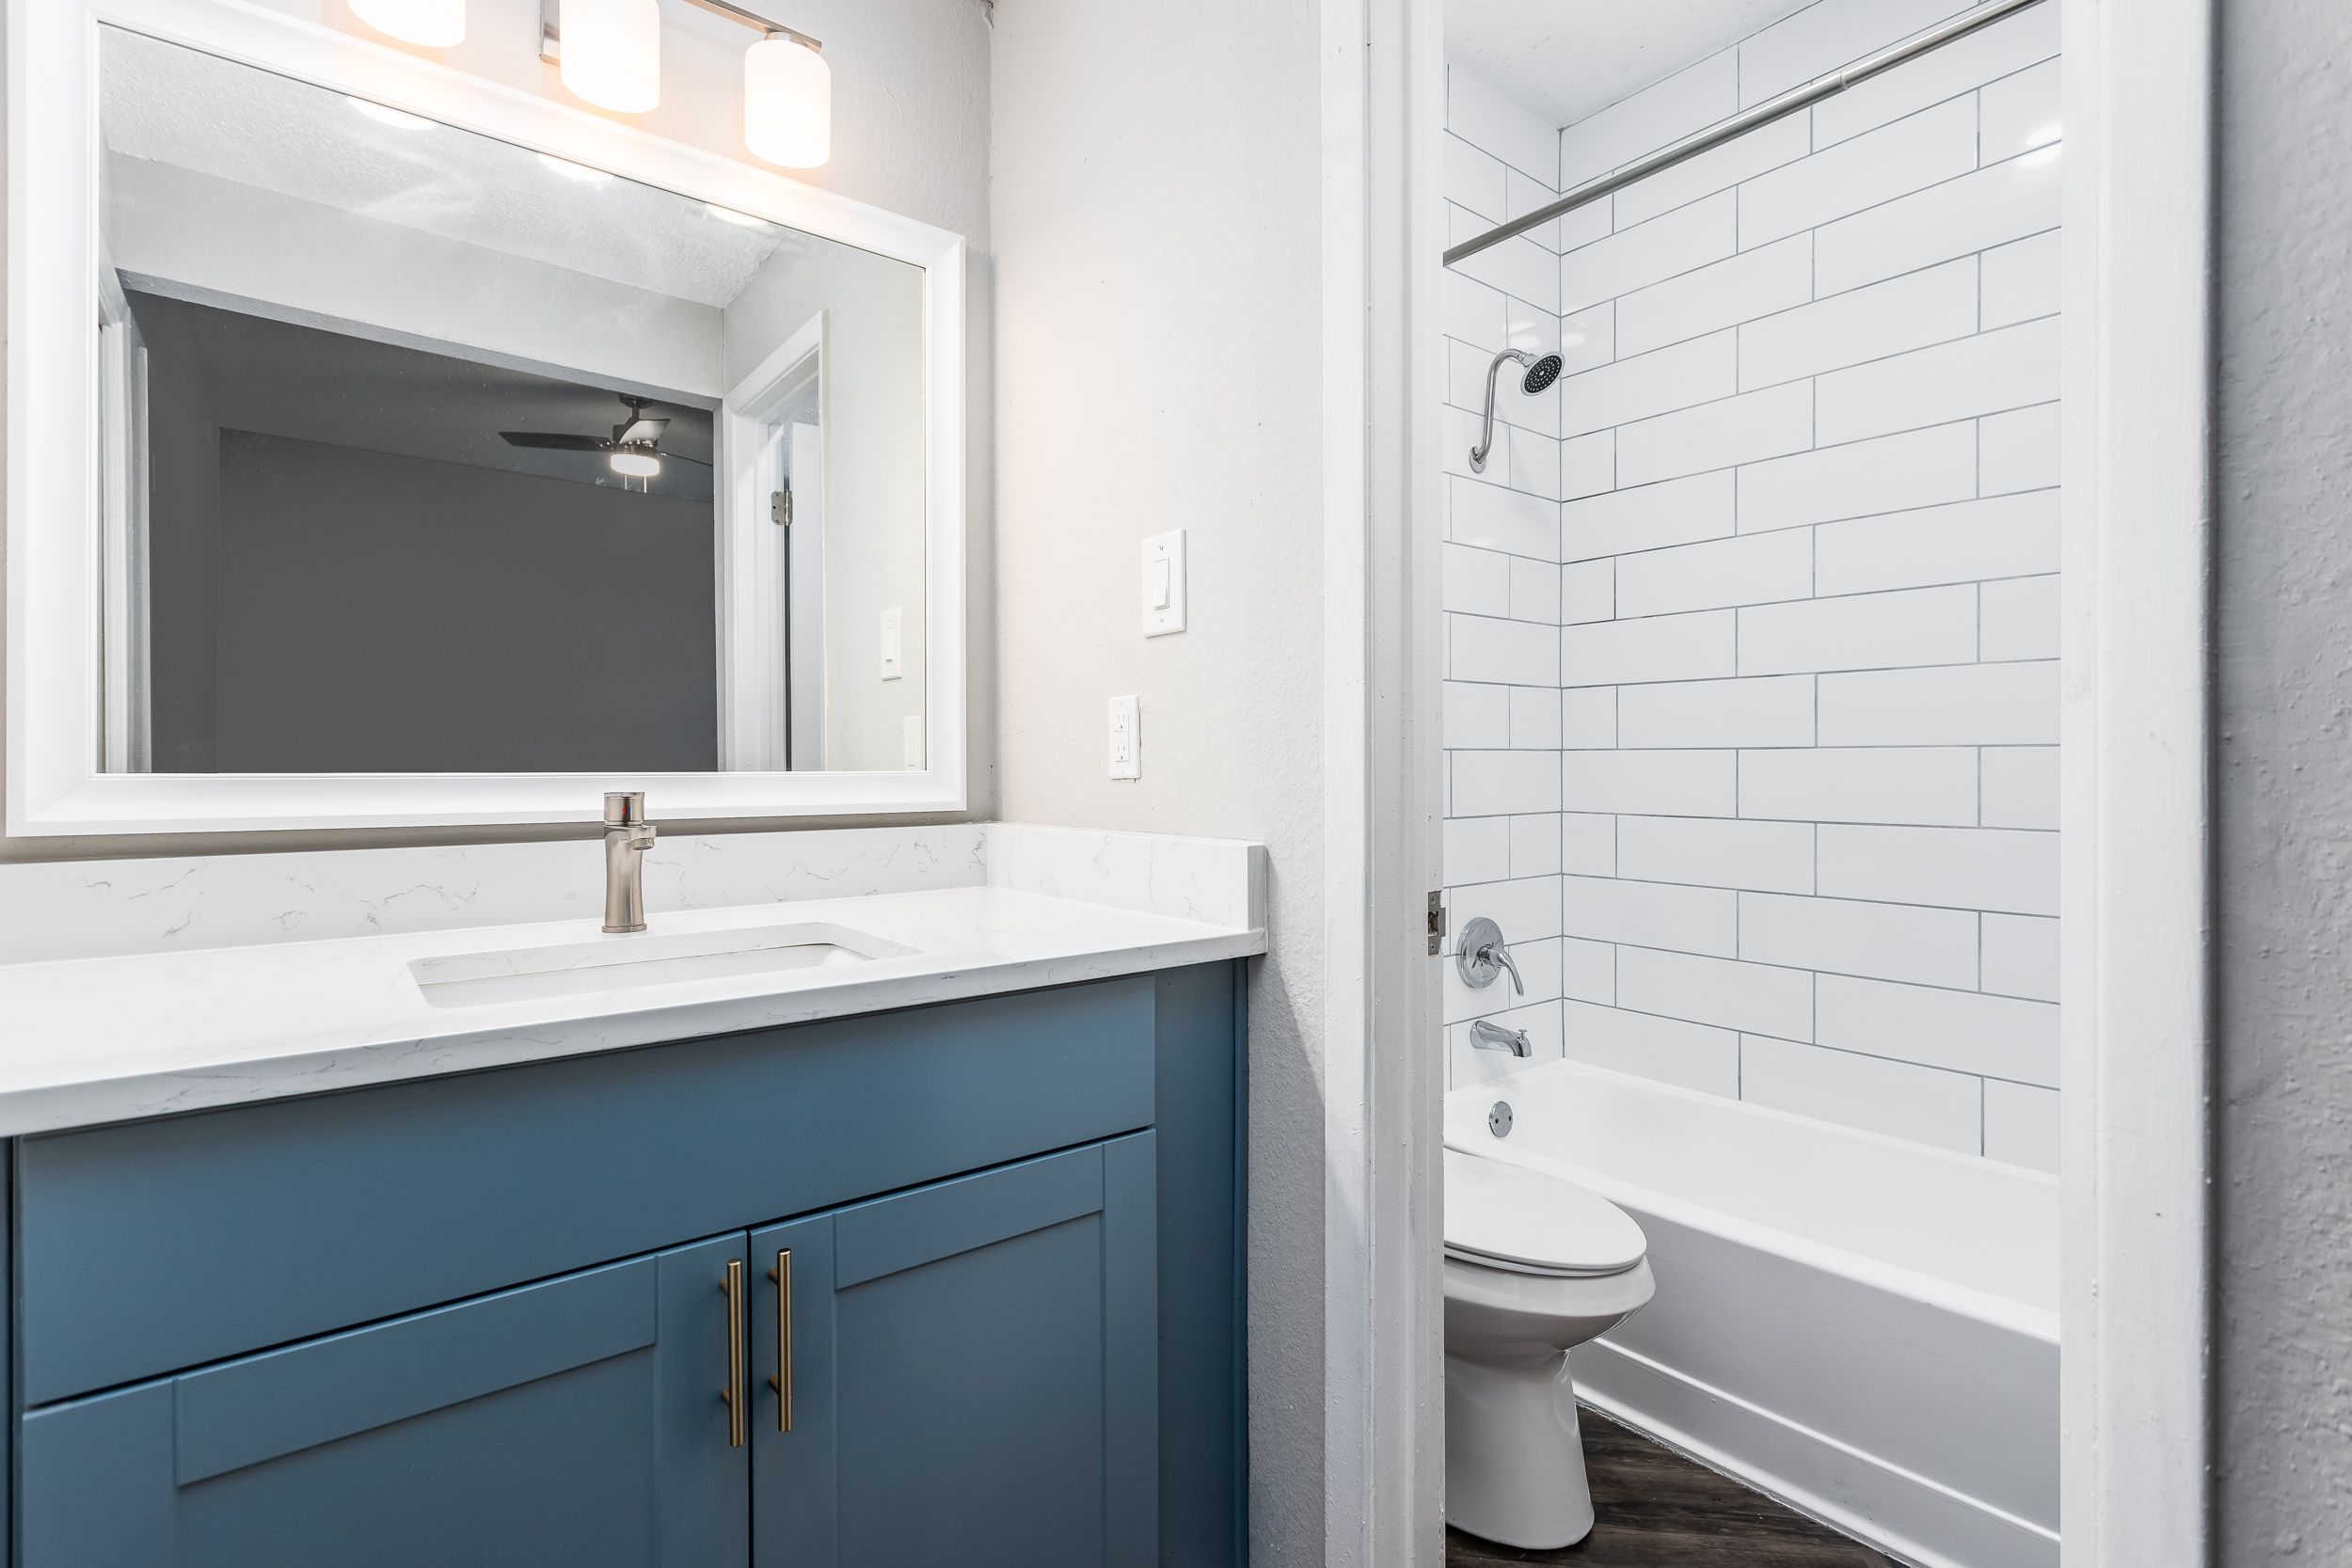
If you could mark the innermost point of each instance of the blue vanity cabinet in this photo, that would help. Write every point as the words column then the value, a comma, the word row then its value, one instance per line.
column 971, row 1374
column 575, row 1422
column 488, row 1321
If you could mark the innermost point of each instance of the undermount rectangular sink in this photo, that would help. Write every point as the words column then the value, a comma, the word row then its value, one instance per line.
column 631, row 963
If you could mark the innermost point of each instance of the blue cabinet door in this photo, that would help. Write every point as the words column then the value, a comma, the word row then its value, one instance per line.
column 575, row 1423
column 968, row 1373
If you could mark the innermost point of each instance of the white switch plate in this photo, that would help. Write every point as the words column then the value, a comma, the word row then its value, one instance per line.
column 911, row 740
column 891, row 646
column 1126, row 756
column 1164, row 583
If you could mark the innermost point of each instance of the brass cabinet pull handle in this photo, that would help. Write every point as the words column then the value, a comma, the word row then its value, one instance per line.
column 733, row 1392
column 781, row 1382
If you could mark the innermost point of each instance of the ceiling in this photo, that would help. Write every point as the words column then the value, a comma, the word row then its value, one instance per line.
column 278, row 378
column 1563, row 59
column 178, row 106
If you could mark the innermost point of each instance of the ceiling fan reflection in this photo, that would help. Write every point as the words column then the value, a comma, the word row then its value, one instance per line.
column 632, row 451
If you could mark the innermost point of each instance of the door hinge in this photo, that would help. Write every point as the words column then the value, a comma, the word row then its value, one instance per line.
column 1437, row 924
column 780, row 508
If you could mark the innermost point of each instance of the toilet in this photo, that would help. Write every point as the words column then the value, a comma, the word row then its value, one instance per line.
column 1534, row 1265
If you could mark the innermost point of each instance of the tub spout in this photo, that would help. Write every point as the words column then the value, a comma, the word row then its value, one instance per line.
column 1487, row 1035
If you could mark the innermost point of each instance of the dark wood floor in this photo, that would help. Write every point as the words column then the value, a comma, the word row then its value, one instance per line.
column 1654, row 1508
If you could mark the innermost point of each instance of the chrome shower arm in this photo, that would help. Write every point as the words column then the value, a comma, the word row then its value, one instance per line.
column 1487, row 433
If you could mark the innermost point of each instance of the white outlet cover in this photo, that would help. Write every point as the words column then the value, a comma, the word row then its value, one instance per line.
column 1164, row 583
column 892, row 646
column 1126, row 738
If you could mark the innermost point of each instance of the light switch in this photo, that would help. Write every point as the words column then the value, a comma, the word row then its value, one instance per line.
column 1126, row 738
column 1164, row 583
column 911, row 740
column 891, row 648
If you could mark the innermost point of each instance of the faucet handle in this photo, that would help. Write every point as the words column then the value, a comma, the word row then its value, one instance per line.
column 1483, row 954
column 624, row 808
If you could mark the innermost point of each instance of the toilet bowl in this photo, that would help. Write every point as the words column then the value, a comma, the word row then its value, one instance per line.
column 1535, row 1266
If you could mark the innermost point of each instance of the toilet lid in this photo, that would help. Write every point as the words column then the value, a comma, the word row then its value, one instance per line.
column 1525, row 1220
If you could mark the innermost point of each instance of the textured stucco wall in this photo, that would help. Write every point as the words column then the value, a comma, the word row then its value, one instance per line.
column 2284, row 624
column 1156, row 219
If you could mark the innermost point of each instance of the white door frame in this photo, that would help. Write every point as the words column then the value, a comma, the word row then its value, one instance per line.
column 1382, row 117
column 125, row 689
column 760, row 685
column 2137, row 1056
column 2135, row 1070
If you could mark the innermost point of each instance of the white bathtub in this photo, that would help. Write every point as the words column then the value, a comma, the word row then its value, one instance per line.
column 1864, row 1327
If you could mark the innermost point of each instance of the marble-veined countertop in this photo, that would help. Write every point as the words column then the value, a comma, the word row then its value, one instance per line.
column 114, row 1037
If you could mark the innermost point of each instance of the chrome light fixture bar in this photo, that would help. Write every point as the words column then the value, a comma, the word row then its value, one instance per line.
column 1738, row 125
column 749, row 19
column 788, row 87
column 550, row 26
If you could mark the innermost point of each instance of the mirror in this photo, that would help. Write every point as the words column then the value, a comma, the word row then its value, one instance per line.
column 428, row 452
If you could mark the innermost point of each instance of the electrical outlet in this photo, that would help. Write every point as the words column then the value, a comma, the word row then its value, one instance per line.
column 1126, row 754
column 892, row 656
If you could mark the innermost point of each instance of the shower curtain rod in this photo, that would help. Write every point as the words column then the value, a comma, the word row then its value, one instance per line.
column 1740, row 124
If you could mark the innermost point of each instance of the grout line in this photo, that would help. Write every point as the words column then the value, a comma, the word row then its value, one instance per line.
column 1794, row 380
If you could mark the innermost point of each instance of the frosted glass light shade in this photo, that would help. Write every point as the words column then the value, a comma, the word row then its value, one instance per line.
column 787, row 103
column 435, row 24
column 636, row 464
column 612, row 53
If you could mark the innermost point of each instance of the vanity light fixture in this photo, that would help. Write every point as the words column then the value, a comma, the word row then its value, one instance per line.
column 384, row 114
column 788, row 87
column 787, row 100
column 612, row 54
column 435, row 24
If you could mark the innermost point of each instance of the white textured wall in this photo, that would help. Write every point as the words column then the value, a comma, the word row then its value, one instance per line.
column 1156, row 220
column 318, row 260
column 1806, row 455
column 2282, row 790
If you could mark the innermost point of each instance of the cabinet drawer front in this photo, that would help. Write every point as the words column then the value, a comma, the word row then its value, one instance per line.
column 572, row 1421
column 286, row 1400
column 156, row 1246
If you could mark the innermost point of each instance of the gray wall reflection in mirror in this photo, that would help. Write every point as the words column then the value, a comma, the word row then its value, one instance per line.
column 351, row 572
column 321, row 318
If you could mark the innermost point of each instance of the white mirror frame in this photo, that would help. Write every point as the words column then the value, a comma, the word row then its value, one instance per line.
column 55, row 715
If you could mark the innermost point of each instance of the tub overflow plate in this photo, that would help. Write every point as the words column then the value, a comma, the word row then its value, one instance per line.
column 1499, row 1119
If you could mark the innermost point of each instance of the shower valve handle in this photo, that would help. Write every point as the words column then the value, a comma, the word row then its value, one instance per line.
column 1484, row 955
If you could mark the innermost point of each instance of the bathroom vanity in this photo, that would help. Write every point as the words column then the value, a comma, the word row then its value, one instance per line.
column 955, row 1283
column 411, row 453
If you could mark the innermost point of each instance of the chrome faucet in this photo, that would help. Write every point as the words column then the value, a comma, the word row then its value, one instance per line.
column 1482, row 954
column 1487, row 1035
column 626, row 837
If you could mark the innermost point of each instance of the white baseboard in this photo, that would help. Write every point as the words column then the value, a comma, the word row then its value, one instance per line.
column 1904, row 1514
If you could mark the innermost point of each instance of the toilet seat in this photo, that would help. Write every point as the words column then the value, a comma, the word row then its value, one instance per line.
column 1520, row 1221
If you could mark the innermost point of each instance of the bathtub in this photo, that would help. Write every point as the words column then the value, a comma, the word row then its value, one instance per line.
column 1864, row 1328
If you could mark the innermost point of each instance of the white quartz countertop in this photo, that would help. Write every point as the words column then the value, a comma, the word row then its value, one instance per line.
column 94, row 1040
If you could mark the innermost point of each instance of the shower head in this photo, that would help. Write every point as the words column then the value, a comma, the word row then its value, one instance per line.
column 1540, row 375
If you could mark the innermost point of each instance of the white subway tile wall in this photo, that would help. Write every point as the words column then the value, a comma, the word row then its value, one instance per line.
column 1752, row 695
column 1506, row 593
